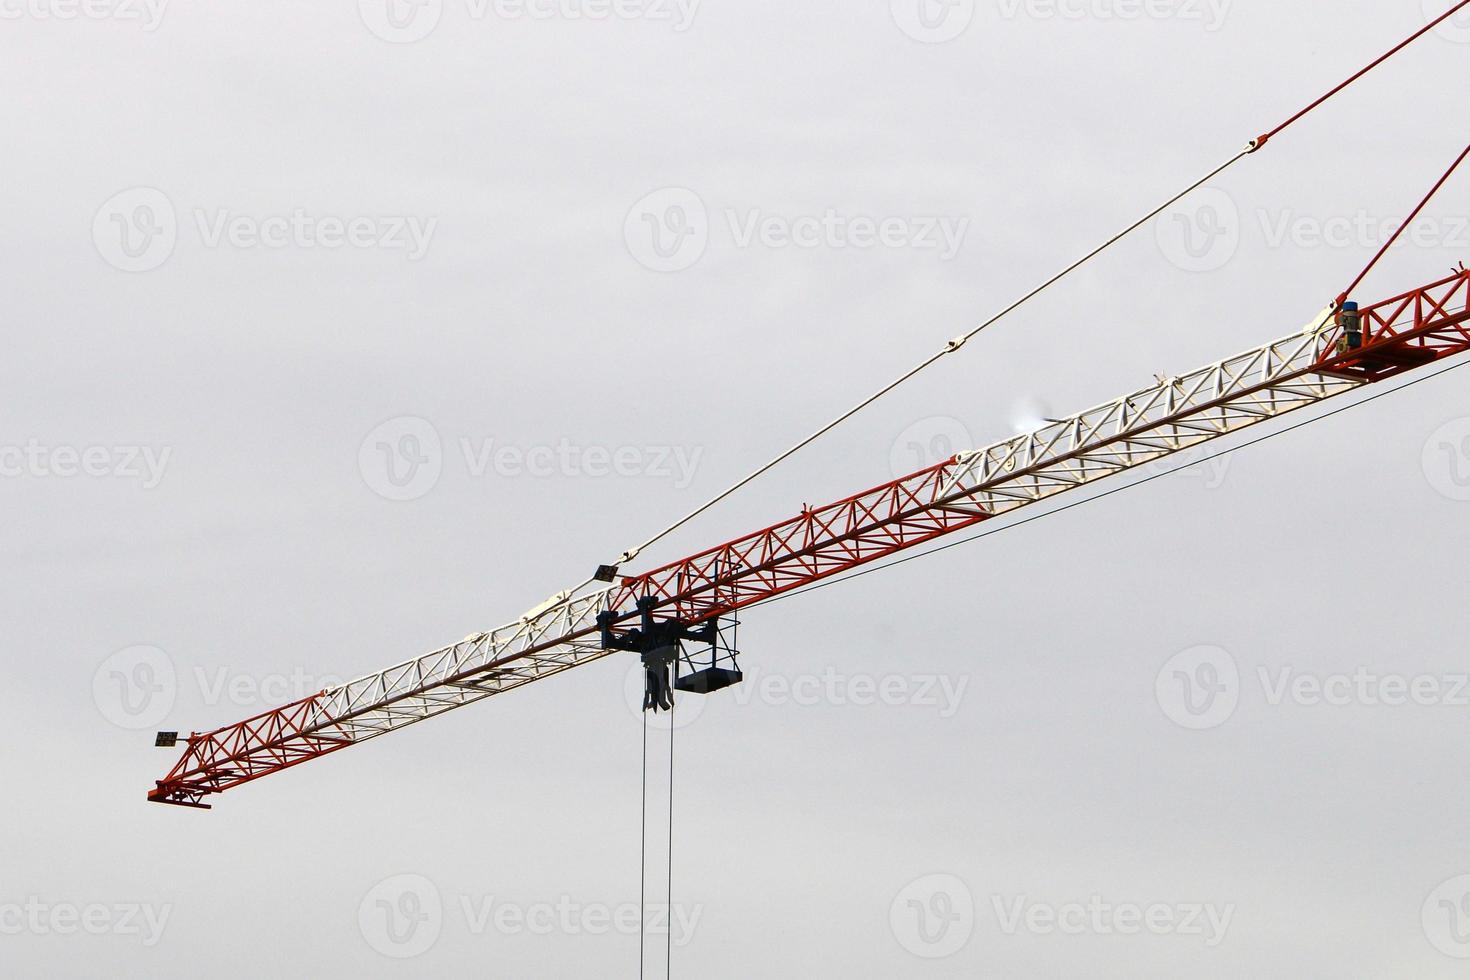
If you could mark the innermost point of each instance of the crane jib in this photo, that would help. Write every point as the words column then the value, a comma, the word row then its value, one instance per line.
column 1355, row 347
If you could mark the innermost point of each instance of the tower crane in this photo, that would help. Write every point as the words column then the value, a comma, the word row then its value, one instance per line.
column 678, row 616
column 657, row 612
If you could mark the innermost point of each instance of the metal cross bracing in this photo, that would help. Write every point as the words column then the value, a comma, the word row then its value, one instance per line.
column 1174, row 414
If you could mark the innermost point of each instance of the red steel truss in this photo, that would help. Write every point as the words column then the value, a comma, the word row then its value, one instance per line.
column 1399, row 334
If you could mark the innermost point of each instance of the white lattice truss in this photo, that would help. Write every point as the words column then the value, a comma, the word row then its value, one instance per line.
column 1170, row 416
column 1136, row 429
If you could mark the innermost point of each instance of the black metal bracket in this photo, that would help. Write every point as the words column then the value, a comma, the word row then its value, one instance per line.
column 659, row 644
column 651, row 634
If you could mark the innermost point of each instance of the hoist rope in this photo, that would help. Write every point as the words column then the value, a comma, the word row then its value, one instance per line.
column 960, row 341
column 669, row 884
column 643, row 851
column 643, row 859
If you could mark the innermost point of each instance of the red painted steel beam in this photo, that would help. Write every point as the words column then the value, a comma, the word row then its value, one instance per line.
column 1400, row 334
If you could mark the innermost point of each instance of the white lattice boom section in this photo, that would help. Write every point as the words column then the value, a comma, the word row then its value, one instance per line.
column 1173, row 415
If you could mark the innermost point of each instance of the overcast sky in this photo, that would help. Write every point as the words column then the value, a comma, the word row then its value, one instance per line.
column 337, row 331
